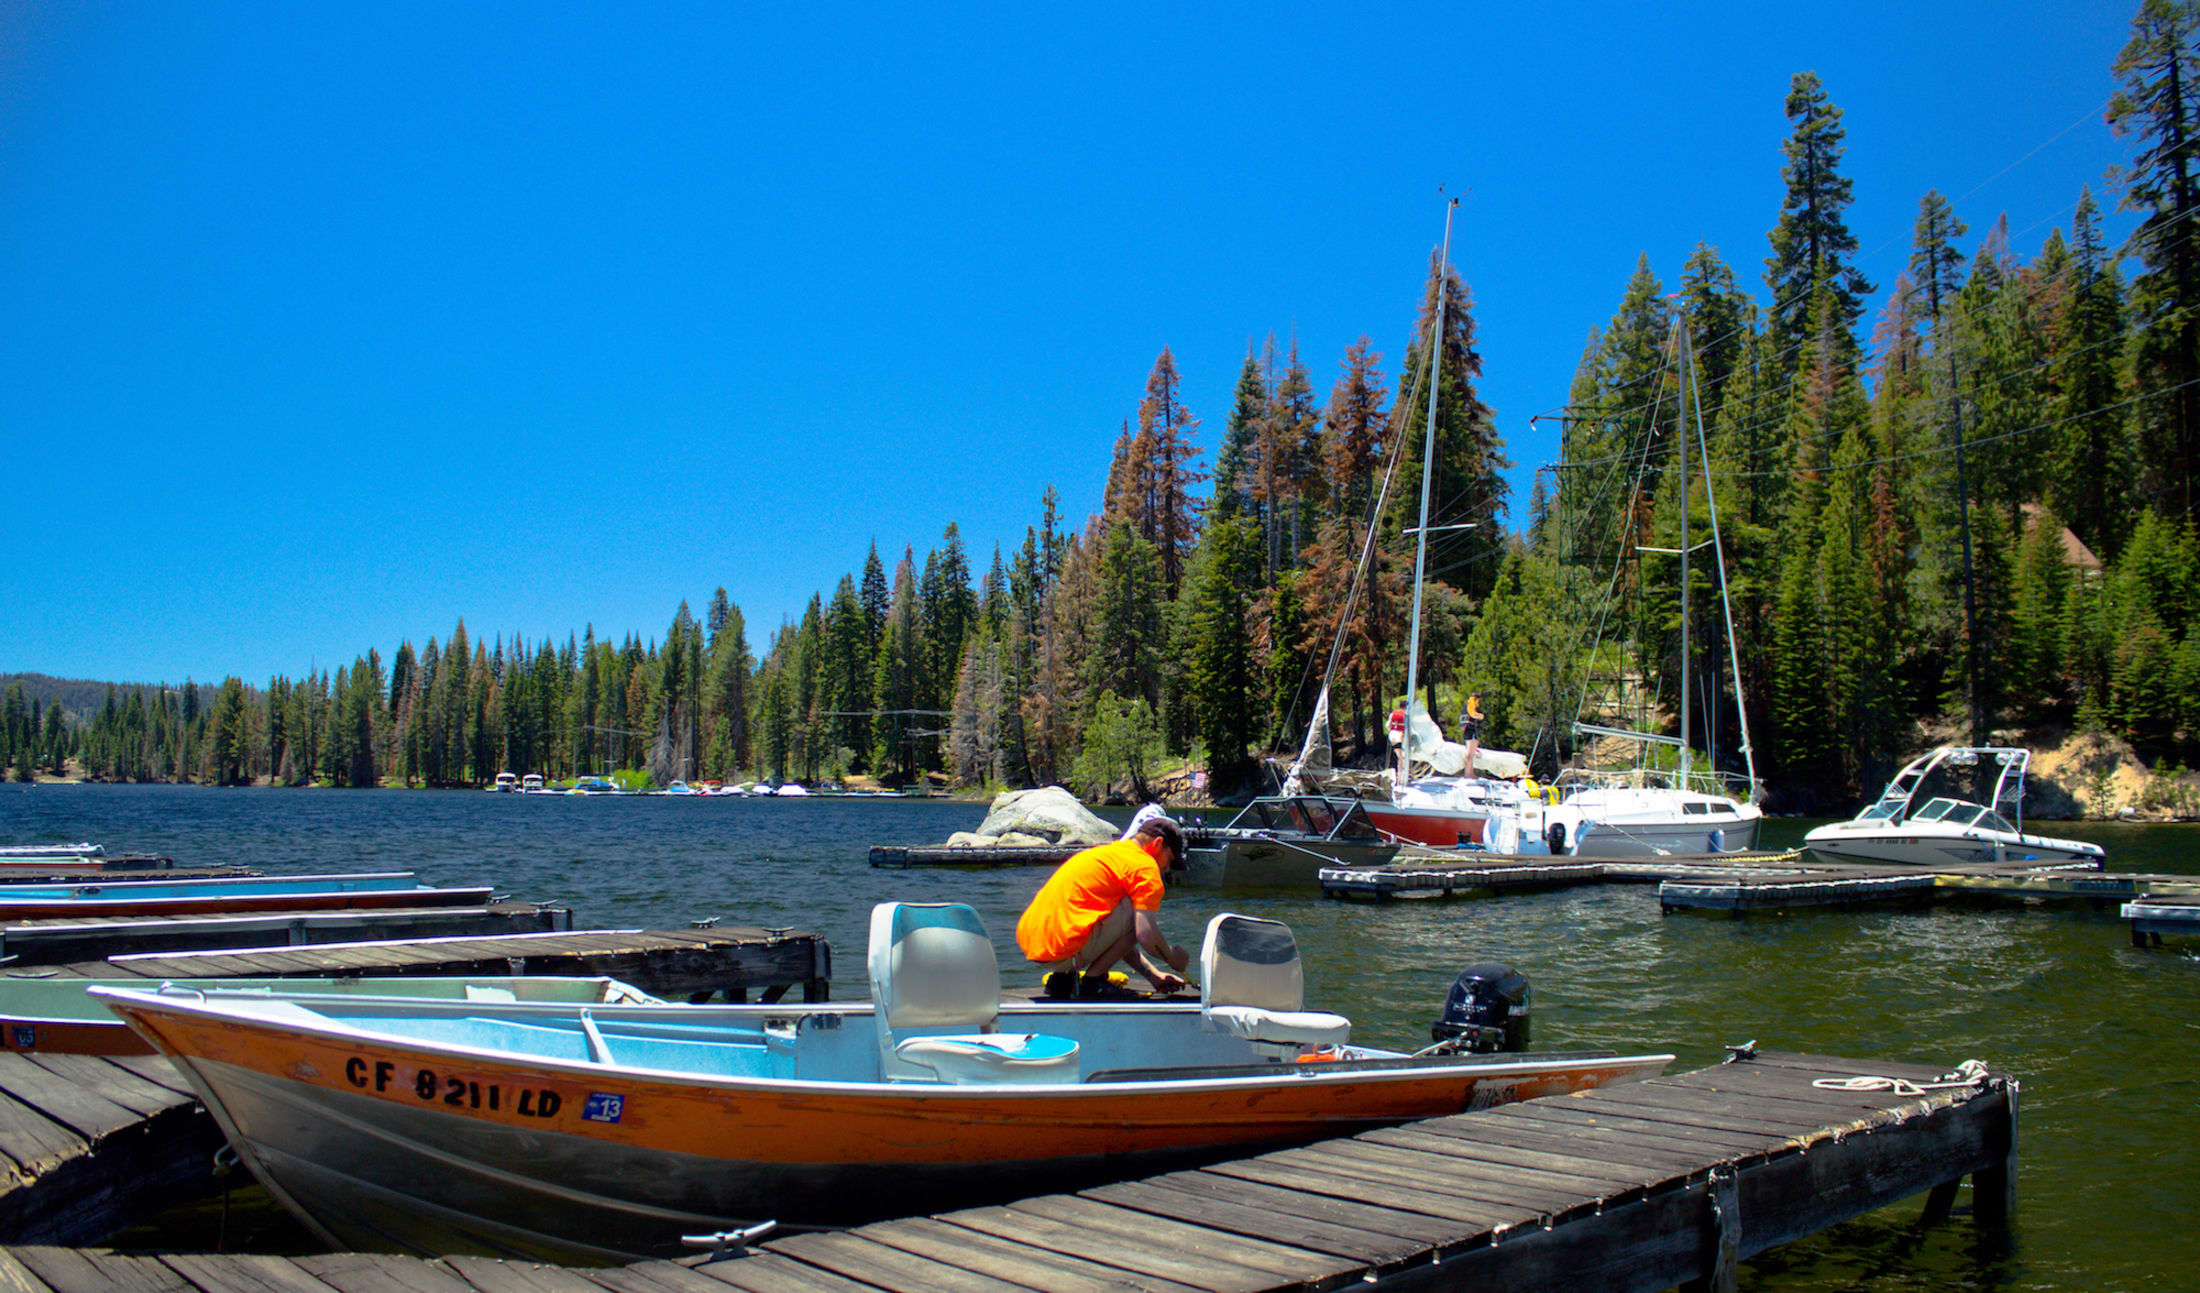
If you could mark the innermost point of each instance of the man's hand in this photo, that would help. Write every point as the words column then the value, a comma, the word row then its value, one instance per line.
column 1166, row 982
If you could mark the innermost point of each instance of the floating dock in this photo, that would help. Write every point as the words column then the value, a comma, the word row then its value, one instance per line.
column 1634, row 1187
column 1743, row 882
column 898, row 857
column 58, row 940
column 2154, row 914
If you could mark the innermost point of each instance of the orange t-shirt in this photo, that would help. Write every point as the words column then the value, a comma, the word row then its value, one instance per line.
column 1083, row 890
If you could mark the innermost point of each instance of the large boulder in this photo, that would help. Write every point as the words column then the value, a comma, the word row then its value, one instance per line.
column 1050, row 813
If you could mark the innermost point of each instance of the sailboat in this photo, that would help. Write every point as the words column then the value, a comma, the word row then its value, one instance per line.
column 1486, row 806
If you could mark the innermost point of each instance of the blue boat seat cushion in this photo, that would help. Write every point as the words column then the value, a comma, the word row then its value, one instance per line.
column 932, row 967
column 1252, row 985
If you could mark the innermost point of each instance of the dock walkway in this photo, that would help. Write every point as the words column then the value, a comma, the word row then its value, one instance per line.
column 1635, row 1187
column 58, row 940
column 1740, row 882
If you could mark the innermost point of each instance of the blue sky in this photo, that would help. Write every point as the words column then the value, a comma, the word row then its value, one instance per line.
column 323, row 326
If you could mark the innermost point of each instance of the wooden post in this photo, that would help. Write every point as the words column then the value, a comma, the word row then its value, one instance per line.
column 1994, row 1190
column 1723, row 1198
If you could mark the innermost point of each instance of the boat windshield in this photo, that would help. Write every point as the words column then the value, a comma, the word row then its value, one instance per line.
column 1963, row 815
column 1877, row 812
column 1996, row 822
column 1934, row 811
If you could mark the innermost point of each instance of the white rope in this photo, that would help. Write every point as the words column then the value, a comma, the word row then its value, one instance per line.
column 1968, row 1073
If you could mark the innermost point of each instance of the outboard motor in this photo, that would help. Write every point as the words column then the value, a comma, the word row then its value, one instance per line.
column 1487, row 1010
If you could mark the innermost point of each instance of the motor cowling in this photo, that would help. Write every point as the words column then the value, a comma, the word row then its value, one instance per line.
column 1488, row 1009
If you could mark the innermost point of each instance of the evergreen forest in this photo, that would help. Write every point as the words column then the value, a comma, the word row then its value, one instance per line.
column 1970, row 514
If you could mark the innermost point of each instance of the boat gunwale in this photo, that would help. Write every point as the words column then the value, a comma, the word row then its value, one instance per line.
column 337, row 1032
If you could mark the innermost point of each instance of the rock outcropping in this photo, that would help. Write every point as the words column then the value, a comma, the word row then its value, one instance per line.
column 1048, row 815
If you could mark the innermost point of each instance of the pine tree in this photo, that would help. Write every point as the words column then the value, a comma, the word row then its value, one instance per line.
column 1812, row 245
column 1467, row 487
column 2090, row 480
column 1221, row 671
column 2158, row 104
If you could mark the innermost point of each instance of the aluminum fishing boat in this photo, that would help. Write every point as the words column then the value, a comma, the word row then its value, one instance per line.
column 603, row 1133
column 1942, row 830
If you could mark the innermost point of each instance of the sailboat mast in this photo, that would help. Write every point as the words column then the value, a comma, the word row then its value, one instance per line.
column 1428, row 462
column 1681, row 408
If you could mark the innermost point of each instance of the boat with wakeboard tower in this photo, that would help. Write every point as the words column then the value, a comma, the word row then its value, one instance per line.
column 605, row 1133
column 1941, row 830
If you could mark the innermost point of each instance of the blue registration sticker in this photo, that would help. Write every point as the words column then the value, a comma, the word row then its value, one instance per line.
column 26, row 1037
column 603, row 1106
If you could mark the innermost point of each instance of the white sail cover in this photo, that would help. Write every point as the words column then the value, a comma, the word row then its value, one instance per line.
column 1426, row 743
column 1314, row 756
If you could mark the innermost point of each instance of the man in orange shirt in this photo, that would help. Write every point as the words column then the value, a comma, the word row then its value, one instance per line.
column 1101, row 907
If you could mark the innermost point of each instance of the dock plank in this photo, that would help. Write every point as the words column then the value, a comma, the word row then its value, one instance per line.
column 1212, row 1212
column 1371, row 1218
column 243, row 1273
column 15, row 1277
column 871, row 1262
column 109, row 1081
column 1310, row 1269
column 381, row 1273
column 93, row 1272
column 1023, row 1264
column 1437, row 1172
column 498, row 1275
column 1136, row 1259
column 762, row 1272
column 1317, row 1179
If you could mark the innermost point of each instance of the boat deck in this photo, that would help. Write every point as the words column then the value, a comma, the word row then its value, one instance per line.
column 1637, row 1187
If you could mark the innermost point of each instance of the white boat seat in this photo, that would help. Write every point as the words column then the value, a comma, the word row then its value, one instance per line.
column 1252, row 986
column 932, row 967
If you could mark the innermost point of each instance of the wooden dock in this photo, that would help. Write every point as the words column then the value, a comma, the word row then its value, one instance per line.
column 732, row 962
column 1643, row 1186
column 2153, row 915
column 1743, row 882
column 58, row 940
column 899, row 857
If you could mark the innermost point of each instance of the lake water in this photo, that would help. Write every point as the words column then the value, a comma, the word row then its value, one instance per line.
column 2104, row 1036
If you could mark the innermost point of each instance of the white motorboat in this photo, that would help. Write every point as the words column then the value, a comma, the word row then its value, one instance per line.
column 1943, row 830
column 505, row 784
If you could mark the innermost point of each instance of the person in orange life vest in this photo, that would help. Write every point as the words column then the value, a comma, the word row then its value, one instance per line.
column 1101, row 907
column 1470, row 728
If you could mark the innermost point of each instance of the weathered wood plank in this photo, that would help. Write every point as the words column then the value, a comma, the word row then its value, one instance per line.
column 1417, row 1227
column 863, row 1259
column 243, row 1273
column 15, row 1277
column 1036, row 1268
column 495, row 1275
column 1316, row 1179
column 30, row 1141
column 1298, row 1265
column 1581, row 1175
column 1595, row 1150
column 654, row 1277
column 1211, row 1212
column 1435, row 1172
column 1573, row 1113
column 1136, row 1258
column 381, row 1273
column 111, row 1082
column 762, row 1272
column 85, row 1111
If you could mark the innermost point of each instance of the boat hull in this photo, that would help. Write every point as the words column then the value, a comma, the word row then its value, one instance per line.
column 1622, row 839
column 1911, row 847
column 1442, row 828
column 382, row 1145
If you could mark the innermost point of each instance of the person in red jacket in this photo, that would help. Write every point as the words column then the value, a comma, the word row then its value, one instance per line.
column 1102, row 907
